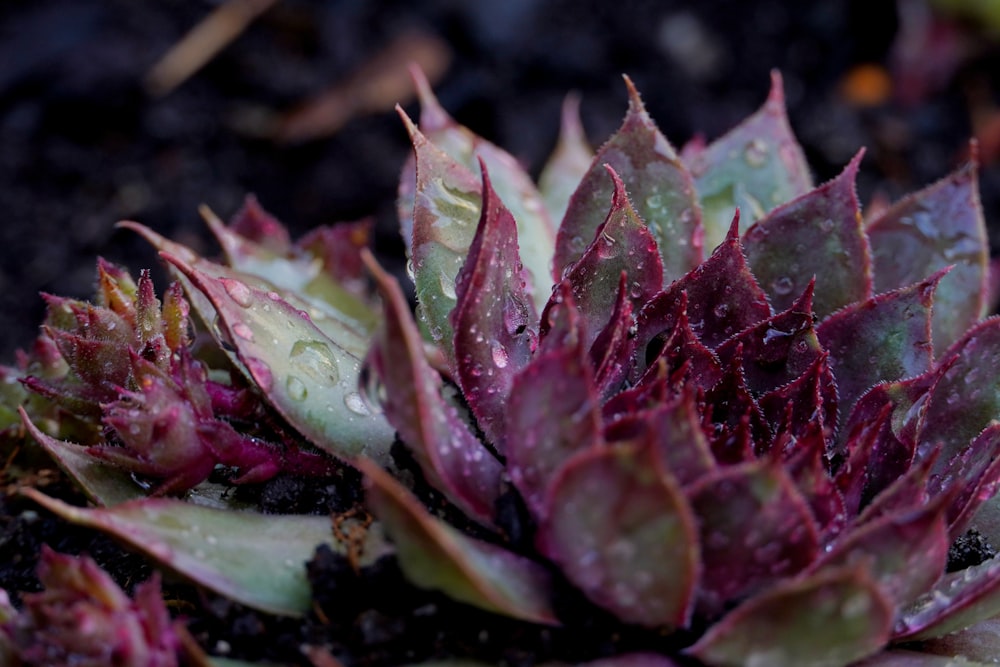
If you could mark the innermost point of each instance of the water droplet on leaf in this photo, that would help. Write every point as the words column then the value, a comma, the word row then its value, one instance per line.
column 238, row 292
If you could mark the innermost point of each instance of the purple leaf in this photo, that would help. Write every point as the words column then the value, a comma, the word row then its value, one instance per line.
column 807, row 469
column 734, row 421
column 807, row 402
column 553, row 412
column 568, row 163
column 679, row 440
column 623, row 245
column 979, row 642
column 957, row 601
column 535, row 228
column 450, row 455
column 909, row 491
column 662, row 191
column 754, row 167
column 852, row 475
column 884, row 338
column 755, row 530
column 723, row 298
column 678, row 345
column 832, row 617
column 620, row 529
column 967, row 395
column 818, row 235
column 907, row 550
column 779, row 349
column 611, row 353
column 434, row 555
column 310, row 379
column 939, row 226
column 974, row 474
column 494, row 320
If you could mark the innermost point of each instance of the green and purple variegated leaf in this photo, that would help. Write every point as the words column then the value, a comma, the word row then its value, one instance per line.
column 256, row 559
column 337, row 326
column 494, row 320
column 939, row 226
column 810, row 401
column 290, row 271
column 903, row 658
column 753, row 168
column 446, row 212
column 818, row 236
column 723, row 298
column 434, row 555
column 450, row 455
column 966, row 398
column 103, row 485
column 881, row 339
column 568, row 163
column 957, row 601
column 733, row 419
column 619, row 527
column 679, row 440
column 662, row 193
column 623, row 245
column 830, row 618
column 974, row 475
column 553, row 412
column 308, row 378
column 755, row 530
column 535, row 227
column 907, row 550
column 979, row 642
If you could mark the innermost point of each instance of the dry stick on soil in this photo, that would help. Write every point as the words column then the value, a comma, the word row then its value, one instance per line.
column 202, row 43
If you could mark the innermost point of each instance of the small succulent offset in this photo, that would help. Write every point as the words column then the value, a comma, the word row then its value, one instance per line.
column 726, row 406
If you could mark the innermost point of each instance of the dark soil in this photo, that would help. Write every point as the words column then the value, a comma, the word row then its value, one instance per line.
column 84, row 145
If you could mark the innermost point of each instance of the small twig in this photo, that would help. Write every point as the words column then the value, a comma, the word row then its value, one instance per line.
column 202, row 43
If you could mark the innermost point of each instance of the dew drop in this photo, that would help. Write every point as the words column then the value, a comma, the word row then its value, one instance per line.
column 826, row 225
column 755, row 153
column 500, row 357
column 654, row 201
column 721, row 310
column 238, row 292
column 356, row 404
column 781, row 285
column 243, row 331
column 297, row 390
column 447, row 286
column 261, row 372
column 315, row 359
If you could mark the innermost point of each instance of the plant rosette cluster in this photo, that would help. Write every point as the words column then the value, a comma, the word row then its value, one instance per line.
column 725, row 406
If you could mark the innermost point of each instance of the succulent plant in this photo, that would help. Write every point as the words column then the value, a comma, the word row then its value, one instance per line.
column 83, row 618
column 721, row 405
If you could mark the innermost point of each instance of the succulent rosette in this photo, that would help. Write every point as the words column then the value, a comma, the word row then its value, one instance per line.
column 733, row 408
column 716, row 403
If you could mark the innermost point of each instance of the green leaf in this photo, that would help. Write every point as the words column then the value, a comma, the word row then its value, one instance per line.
column 754, row 167
column 255, row 559
column 535, row 228
column 818, row 234
column 661, row 190
column 828, row 619
column 568, row 163
column 881, row 339
column 434, row 555
column 939, row 226
column 310, row 379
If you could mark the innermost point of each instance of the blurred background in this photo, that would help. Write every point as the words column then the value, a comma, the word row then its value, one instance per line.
column 127, row 109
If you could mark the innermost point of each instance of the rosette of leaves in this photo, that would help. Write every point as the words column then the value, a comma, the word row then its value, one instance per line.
column 732, row 408
column 722, row 406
